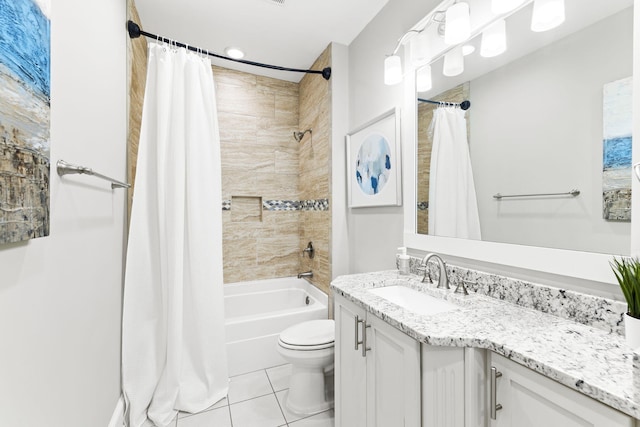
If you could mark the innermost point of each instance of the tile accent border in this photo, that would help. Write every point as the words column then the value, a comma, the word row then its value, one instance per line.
column 288, row 205
column 280, row 205
column 423, row 206
column 314, row 205
column 591, row 310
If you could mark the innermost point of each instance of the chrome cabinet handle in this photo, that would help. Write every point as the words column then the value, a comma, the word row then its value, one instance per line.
column 364, row 339
column 493, row 406
column 357, row 332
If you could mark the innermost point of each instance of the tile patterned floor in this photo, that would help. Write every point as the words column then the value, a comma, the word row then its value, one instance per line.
column 255, row 399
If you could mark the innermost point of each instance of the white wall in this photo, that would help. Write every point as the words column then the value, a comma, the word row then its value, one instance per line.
column 60, row 296
column 550, row 141
column 375, row 233
column 339, row 127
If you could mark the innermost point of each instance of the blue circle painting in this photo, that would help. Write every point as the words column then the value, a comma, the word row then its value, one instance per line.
column 373, row 164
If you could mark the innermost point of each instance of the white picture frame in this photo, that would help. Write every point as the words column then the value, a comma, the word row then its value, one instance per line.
column 374, row 162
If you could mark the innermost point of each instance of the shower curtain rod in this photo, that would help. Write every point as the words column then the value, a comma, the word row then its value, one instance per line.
column 135, row 31
column 464, row 105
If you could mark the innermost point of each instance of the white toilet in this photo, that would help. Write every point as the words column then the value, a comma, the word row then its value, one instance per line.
column 308, row 346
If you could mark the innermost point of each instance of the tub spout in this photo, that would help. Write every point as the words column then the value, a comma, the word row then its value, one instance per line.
column 305, row 274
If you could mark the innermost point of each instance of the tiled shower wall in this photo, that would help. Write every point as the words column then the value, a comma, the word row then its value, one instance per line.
column 137, row 77
column 315, row 170
column 257, row 116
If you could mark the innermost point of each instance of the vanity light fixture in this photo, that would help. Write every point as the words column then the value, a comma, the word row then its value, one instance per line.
column 494, row 40
column 419, row 51
column 392, row 70
column 468, row 49
column 393, row 64
column 547, row 14
column 498, row 7
column 423, row 79
column 457, row 23
column 234, row 52
column 453, row 64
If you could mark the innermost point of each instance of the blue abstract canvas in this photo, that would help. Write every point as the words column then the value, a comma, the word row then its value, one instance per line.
column 373, row 164
column 617, row 139
column 24, row 119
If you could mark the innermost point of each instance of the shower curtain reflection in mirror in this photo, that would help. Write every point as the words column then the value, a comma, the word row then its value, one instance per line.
column 453, row 208
column 173, row 344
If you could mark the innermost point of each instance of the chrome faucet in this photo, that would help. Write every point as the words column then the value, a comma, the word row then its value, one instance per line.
column 443, row 278
column 305, row 274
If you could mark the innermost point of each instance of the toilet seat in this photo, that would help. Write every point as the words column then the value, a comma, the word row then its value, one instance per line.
column 308, row 336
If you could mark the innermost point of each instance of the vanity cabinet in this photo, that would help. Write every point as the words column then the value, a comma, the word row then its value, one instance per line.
column 524, row 398
column 453, row 387
column 377, row 371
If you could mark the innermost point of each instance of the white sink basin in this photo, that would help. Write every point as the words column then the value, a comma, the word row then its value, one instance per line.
column 413, row 300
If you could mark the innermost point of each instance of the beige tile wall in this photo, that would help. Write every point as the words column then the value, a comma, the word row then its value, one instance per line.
column 137, row 76
column 257, row 116
column 425, row 142
column 315, row 172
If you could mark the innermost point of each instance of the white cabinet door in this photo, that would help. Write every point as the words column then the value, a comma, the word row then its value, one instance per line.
column 350, row 365
column 393, row 377
column 443, row 386
column 530, row 399
column 382, row 387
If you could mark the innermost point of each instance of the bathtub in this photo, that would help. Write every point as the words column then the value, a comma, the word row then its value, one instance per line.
column 257, row 311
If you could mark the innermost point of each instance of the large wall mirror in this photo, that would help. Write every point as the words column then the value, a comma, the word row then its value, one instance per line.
column 536, row 126
column 514, row 109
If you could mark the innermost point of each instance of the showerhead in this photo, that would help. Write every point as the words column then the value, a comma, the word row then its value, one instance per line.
column 299, row 135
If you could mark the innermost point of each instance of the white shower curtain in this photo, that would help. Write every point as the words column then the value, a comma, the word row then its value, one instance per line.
column 173, row 343
column 453, row 208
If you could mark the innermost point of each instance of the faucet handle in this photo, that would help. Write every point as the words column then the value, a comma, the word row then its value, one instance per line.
column 425, row 269
column 461, row 288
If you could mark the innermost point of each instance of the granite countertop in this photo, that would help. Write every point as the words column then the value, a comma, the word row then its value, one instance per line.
column 594, row 362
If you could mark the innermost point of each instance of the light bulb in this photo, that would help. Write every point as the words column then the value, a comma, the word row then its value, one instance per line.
column 423, row 79
column 419, row 49
column 234, row 52
column 498, row 7
column 392, row 70
column 494, row 40
column 453, row 62
column 547, row 14
column 457, row 24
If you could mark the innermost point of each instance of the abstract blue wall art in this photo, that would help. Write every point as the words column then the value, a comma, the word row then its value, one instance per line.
column 373, row 161
column 24, row 119
column 373, row 164
column 616, row 162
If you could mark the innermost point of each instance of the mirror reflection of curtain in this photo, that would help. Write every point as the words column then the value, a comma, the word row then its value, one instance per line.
column 453, row 208
column 425, row 144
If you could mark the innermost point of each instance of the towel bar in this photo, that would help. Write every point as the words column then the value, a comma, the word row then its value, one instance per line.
column 65, row 168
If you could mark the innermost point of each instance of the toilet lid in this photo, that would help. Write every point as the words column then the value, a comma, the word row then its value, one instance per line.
column 310, row 333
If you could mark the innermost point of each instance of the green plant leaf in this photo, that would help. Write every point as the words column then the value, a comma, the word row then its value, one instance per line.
column 627, row 272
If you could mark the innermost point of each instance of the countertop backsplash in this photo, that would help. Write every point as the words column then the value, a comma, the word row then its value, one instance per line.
column 602, row 313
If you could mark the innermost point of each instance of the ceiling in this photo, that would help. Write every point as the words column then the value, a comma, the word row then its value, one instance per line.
column 292, row 35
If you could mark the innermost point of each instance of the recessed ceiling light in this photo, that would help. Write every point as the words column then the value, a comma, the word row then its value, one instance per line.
column 234, row 52
column 468, row 49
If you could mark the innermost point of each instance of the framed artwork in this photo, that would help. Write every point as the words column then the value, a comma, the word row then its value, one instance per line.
column 24, row 119
column 616, row 147
column 374, row 162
